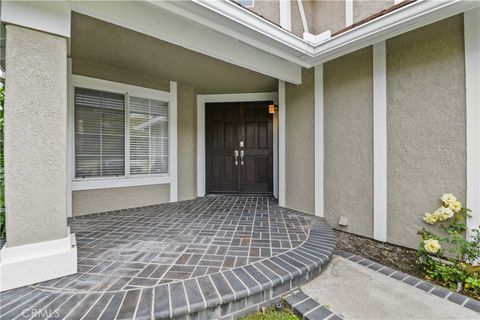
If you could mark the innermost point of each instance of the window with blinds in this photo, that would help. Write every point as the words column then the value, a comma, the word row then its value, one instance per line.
column 148, row 124
column 99, row 133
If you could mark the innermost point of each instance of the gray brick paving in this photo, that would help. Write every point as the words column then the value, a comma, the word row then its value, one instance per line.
column 225, row 253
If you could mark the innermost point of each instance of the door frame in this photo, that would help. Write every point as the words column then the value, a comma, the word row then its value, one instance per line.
column 235, row 97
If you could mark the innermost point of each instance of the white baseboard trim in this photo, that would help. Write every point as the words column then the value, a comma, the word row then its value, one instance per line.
column 37, row 262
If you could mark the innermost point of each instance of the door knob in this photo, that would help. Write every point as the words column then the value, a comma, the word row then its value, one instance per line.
column 235, row 153
column 241, row 157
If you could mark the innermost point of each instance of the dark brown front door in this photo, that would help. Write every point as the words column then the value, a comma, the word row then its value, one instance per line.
column 239, row 147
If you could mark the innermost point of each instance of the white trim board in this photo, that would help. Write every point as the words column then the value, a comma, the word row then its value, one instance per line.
column 208, row 98
column 281, row 143
column 319, row 144
column 348, row 12
column 285, row 14
column 379, row 142
column 172, row 142
column 472, row 82
column 37, row 262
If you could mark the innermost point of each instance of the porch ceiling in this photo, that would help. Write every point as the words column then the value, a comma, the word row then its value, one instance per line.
column 100, row 43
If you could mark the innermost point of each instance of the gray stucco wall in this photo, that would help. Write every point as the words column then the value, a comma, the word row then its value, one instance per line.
column 327, row 15
column 299, row 142
column 93, row 201
column 364, row 8
column 426, row 124
column 35, row 136
column 106, row 199
column 187, row 142
column 270, row 10
column 348, row 138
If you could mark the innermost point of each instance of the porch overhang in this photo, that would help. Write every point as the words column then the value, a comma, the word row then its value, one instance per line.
column 226, row 31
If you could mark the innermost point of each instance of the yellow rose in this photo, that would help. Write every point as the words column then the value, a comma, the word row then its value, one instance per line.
column 448, row 198
column 455, row 206
column 432, row 245
column 440, row 214
column 430, row 218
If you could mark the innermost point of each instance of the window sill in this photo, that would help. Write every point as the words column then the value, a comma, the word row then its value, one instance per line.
column 78, row 185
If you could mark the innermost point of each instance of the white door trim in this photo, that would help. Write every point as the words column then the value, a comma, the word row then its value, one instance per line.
column 472, row 84
column 379, row 142
column 206, row 98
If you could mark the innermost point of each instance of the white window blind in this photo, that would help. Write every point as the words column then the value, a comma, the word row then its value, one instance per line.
column 99, row 133
column 148, row 136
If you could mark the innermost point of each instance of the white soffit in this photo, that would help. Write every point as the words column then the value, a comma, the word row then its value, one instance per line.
column 151, row 19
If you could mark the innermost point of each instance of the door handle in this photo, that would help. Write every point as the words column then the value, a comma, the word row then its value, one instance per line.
column 241, row 157
column 235, row 153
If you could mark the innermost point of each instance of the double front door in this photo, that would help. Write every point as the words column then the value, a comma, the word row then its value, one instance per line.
column 239, row 147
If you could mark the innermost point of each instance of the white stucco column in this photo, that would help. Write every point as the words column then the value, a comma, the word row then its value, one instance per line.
column 39, row 245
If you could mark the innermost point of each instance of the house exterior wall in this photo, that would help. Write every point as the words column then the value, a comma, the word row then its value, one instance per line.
column 299, row 144
column 101, row 200
column 327, row 15
column 270, row 10
column 187, row 142
column 348, row 139
column 426, row 138
column 426, row 124
column 364, row 8
column 35, row 136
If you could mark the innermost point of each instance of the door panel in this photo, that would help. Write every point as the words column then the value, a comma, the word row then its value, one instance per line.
column 256, row 175
column 227, row 125
column 221, row 135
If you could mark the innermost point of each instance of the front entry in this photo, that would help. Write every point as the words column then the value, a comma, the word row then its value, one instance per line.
column 239, row 147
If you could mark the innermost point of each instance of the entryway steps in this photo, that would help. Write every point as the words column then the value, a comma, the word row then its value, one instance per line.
column 308, row 308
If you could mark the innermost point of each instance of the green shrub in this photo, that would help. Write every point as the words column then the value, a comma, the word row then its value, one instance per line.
column 450, row 258
column 272, row 314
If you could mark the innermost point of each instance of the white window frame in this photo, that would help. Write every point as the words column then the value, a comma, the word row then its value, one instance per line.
column 128, row 91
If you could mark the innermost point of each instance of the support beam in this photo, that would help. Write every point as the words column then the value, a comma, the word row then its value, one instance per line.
column 379, row 142
column 281, row 143
column 319, row 201
column 39, row 246
column 472, row 83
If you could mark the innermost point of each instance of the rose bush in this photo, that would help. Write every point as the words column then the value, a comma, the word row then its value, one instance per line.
column 451, row 257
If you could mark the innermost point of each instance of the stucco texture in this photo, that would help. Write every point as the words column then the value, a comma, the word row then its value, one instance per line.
column 327, row 15
column 104, row 44
column 269, row 9
column 101, row 200
column 299, row 144
column 187, row 142
column 364, row 8
column 348, row 138
column 426, row 124
column 35, row 136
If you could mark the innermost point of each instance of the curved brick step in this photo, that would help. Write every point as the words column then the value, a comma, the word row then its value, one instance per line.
column 241, row 290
